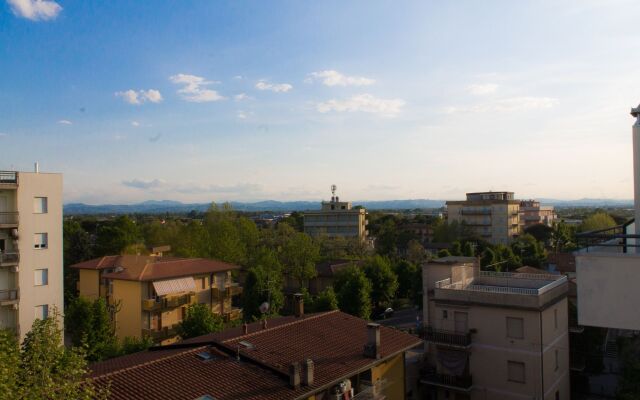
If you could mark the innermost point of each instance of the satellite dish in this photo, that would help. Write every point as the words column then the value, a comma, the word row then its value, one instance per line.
column 264, row 307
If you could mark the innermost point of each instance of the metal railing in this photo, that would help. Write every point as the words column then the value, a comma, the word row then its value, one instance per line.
column 7, row 259
column 8, row 177
column 447, row 337
column 9, row 218
column 615, row 236
column 463, row 382
column 9, row 295
column 165, row 332
column 167, row 302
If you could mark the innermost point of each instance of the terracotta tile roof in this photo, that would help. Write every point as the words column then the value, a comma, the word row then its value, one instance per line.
column 149, row 268
column 333, row 340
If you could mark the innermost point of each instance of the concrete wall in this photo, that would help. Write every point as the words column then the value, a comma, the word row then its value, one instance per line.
column 129, row 318
column 391, row 377
column 89, row 283
column 39, row 185
column 608, row 294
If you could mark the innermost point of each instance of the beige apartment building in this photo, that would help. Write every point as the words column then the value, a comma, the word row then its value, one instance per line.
column 150, row 294
column 492, row 216
column 533, row 213
column 30, row 248
column 337, row 219
column 492, row 335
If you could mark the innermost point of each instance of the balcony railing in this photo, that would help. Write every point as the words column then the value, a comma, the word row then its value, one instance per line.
column 233, row 314
column 9, row 296
column 9, row 218
column 463, row 382
column 163, row 333
column 475, row 212
column 9, row 259
column 167, row 302
column 440, row 336
column 8, row 178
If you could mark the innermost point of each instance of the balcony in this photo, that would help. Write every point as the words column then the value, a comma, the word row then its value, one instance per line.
column 8, row 179
column 475, row 212
column 9, row 259
column 164, row 303
column 166, row 332
column 233, row 290
column 448, row 338
column 233, row 314
column 9, row 297
column 9, row 219
column 462, row 383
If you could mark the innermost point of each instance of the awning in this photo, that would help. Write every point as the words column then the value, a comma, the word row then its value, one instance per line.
column 171, row 286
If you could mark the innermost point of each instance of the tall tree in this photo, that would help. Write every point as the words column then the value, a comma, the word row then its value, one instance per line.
column 469, row 249
column 384, row 281
column 531, row 251
column 325, row 301
column 199, row 321
column 261, row 285
column 89, row 324
column 9, row 364
column 416, row 253
column 299, row 256
column 406, row 273
column 114, row 236
column 597, row 221
column 353, row 290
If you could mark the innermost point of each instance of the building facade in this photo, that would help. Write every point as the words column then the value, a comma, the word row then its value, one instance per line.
column 532, row 213
column 149, row 295
column 494, row 335
column 31, row 275
column 492, row 216
column 337, row 219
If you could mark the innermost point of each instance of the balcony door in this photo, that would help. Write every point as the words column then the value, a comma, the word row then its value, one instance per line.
column 461, row 321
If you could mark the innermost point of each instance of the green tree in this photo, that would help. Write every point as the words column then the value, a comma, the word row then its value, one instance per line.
column 325, row 301
column 9, row 363
column 200, row 320
column 384, row 281
column 77, row 320
column 133, row 344
column 563, row 237
column 353, row 290
column 416, row 253
column 541, row 232
column 47, row 370
column 449, row 232
column 469, row 249
column 299, row 256
column 488, row 257
column 192, row 240
column 416, row 289
column 509, row 260
column 77, row 247
column 443, row 253
column 262, row 284
column 629, row 385
column 113, row 237
column 530, row 250
column 295, row 220
column 597, row 221
column 406, row 273
column 89, row 324
column 456, row 249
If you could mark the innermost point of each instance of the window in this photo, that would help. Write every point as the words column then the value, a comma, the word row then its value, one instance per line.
column 516, row 371
column 40, row 205
column 515, row 328
column 40, row 240
column 203, row 283
column 41, row 277
column 445, row 314
column 42, row 312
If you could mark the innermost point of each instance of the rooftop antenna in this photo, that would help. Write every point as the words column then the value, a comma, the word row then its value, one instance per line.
column 333, row 192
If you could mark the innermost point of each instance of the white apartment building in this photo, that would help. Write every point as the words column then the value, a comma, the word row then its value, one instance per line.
column 31, row 276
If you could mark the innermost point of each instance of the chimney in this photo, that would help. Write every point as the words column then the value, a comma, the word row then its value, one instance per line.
column 245, row 329
column 307, row 372
column 264, row 324
column 36, row 168
column 635, row 112
column 372, row 348
column 294, row 375
column 298, row 305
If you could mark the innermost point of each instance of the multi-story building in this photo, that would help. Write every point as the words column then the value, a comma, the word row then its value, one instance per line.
column 329, row 355
column 492, row 216
column 336, row 219
column 532, row 213
column 149, row 295
column 492, row 335
column 30, row 248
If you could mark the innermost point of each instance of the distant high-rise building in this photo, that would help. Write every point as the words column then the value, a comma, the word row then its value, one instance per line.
column 493, row 335
column 336, row 219
column 30, row 248
column 533, row 213
column 492, row 216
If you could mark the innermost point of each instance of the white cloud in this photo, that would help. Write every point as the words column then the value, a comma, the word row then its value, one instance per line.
column 35, row 10
column 241, row 96
column 242, row 114
column 193, row 89
column 363, row 103
column 141, row 96
column 238, row 77
column 511, row 104
column 335, row 78
column 274, row 87
column 65, row 122
column 481, row 89
column 135, row 123
column 143, row 184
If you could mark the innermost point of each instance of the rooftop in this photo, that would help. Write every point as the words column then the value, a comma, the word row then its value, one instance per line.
column 333, row 340
column 150, row 268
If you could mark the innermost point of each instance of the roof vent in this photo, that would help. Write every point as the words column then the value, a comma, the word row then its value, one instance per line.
column 205, row 356
column 119, row 269
column 247, row 345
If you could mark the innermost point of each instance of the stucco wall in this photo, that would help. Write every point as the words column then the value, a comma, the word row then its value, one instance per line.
column 129, row 317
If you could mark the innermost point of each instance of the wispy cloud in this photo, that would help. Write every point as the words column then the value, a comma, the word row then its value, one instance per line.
column 363, row 103
column 242, row 114
column 135, row 123
column 155, row 138
column 241, row 97
column 481, row 89
column 143, row 184
column 194, row 89
column 274, row 87
column 335, row 78
column 65, row 122
column 141, row 96
column 511, row 104
column 35, row 10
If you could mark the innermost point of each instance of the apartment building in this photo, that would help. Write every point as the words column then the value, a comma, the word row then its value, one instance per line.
column 533, row 213
column 492, row 216
column 337, row 219
column 149, row 295
column 30, row 248
column 329, row 355
column 492, row 335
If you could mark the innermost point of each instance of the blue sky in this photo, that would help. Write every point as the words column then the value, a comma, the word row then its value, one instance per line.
column 201, row 101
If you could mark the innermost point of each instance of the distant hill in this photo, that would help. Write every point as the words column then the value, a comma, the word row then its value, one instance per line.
column 163, row 206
